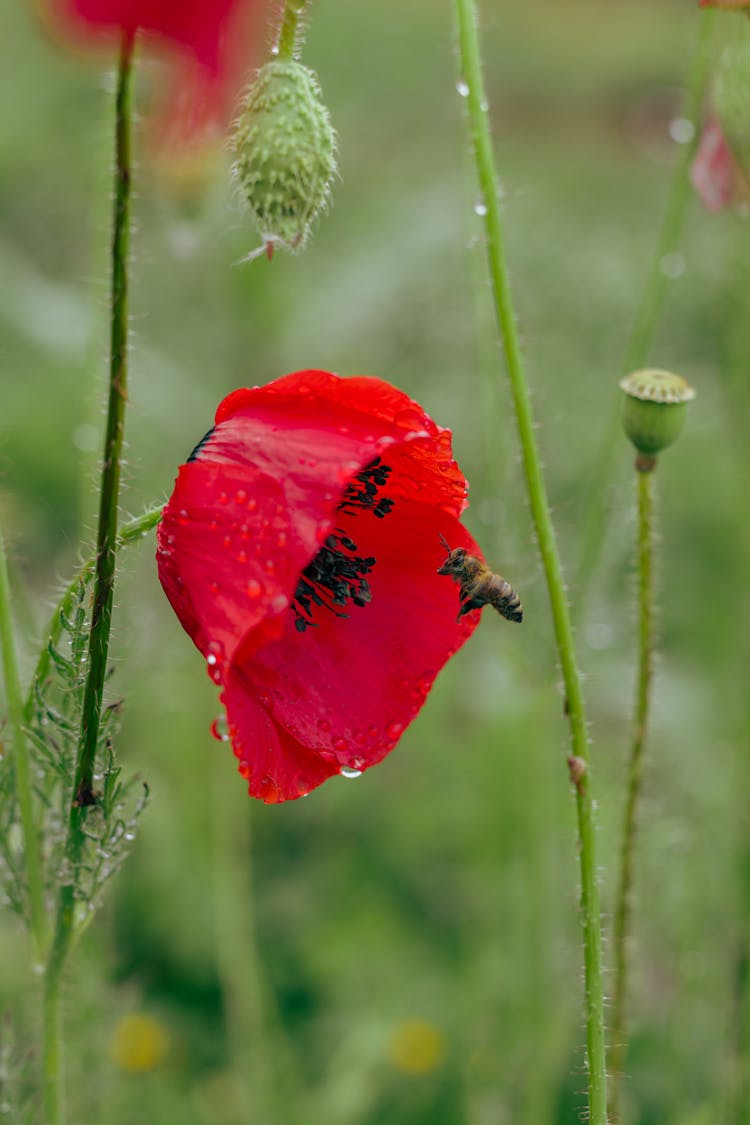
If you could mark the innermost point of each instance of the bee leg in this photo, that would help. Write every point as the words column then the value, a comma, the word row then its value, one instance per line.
column 468, row 605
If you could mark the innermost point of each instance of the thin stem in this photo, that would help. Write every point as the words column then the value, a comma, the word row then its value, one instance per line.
column 133, row 530
column 650, row 304
column 101, row 613
column 261, row 1053
column 471, row 75
column 623, row 904
column 288, row 41
column 31, row 841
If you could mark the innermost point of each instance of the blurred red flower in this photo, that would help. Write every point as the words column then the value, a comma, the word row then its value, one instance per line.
column 715, row 173
column 209, row 40
column 300, row 550
column 728, row 5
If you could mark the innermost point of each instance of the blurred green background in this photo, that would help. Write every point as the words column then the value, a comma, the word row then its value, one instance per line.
column 403, row 948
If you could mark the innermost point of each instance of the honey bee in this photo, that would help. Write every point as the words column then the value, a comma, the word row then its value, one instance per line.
column 479, row 586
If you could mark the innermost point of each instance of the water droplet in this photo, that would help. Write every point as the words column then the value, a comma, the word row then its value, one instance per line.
column 324, row 724
column 394, row 731
column 242, row 557
column 214, row 588
column 462, row 88
column 219, row 729
column 130, row 836
column 350, row 772
column 226, row 541
column 253, row 588
column 281, row 540
column 681, row 130
column 269, row 566
column 480, row 207
column 240, row 495
column 340, row 744
column 252, row 504
column 484, row 105
column 672, row 265
column 275, row 49
column 223, row 498
column 269, row 790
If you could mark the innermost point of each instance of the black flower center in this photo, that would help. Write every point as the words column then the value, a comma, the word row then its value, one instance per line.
column 337, row 574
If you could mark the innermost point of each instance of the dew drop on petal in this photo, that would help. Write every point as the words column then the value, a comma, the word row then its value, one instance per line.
column 394, row 730
column 220, row 729
column 350, row 772
column 480, row 207
column 340, row 744
column 240, row 495
column 253, row 589
column 269, row 790
column 223, row 498
column 251, row 504
column 242, row 557
column 462, row 88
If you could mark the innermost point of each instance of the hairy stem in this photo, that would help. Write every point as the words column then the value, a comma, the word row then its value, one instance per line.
column 650, row 304
column 101, row 613
column 472, row 84
column 289, row 35
column 635, row 768
column 31, row 841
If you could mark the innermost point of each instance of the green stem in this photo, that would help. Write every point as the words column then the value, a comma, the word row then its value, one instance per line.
column 32, row 843
column 288, row 42
column 471, row 75
column 133, row 530
column 635, row 768
column 101, row 612
column 649, row 307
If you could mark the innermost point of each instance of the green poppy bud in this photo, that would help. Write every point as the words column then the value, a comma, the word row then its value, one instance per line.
column 654, row 412
column 285, row 153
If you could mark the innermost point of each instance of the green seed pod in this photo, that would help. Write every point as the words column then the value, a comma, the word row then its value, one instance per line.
column 655, row 405
column 285, row 153
column 731, row 96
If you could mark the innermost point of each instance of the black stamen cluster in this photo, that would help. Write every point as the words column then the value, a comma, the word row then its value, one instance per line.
column 331, row 580
column 337, row 573
column 362, row 493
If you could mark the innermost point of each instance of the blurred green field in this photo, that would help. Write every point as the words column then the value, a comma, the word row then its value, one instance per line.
column 405, row 948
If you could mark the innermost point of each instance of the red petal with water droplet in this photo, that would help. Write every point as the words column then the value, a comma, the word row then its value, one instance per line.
column 274, row 470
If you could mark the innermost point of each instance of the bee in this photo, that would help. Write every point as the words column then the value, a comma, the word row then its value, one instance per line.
column 479, row 585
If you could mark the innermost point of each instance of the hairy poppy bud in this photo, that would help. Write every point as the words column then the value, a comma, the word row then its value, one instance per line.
column 731, row 96
column 654, row 414
column 285, row 152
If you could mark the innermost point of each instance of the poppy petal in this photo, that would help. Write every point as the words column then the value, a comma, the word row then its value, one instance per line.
column 302, row 488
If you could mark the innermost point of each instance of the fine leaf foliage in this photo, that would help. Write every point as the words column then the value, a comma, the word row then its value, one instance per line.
column 53, row 725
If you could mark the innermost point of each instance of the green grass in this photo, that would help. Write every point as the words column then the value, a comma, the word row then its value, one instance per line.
column 441, row 886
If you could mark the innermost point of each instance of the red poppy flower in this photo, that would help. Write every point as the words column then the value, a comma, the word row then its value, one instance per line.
column 300, row 551
column 211, row 38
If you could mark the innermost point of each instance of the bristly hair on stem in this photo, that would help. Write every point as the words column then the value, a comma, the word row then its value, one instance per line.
column 94, row 800
column 472, row 87
column 623, row 903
